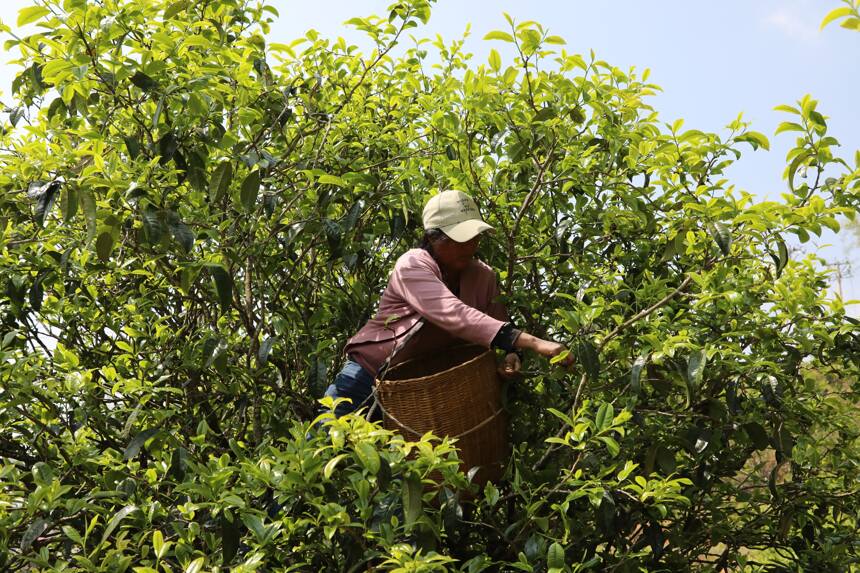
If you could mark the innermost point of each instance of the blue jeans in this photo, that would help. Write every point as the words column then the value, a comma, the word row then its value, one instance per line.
column 355, row 383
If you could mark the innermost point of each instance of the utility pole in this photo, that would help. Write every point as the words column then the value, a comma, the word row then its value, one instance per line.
column 842, row 269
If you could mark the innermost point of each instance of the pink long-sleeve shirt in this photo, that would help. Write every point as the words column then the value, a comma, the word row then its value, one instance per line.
column 415, row 289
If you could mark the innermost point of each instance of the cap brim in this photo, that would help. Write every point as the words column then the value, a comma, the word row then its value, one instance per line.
column 466, row 230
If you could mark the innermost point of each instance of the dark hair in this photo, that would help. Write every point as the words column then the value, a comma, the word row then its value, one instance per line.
column 430, row 235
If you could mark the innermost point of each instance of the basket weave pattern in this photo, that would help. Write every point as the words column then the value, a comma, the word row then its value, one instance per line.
column 456, row 393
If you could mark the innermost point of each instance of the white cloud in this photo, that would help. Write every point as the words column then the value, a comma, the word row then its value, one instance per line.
column 788, row 20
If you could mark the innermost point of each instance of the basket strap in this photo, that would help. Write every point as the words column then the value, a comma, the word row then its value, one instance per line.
column 383, row 370
column 413, row 330
column 489, row 419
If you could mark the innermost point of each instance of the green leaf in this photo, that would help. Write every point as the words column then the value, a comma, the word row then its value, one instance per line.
column 210, row 351
column 368, row 456
column 495, row 61
column 250, row 190
column 722, row 235
column 636, row 374
column 771, row 481
column 605, row 415
column 220, row 182
column 835, row 14
column 327, row 179
column 153, row 226
column 223, row 285
column 787, row 108
column 666, row 460
column 696, row 367
column 755, row 139
column 611, row 445
column 195, row 566
column 73, row 534
column 333, row 235
column 784, row 442
column 412, row 502
column 544, row 114
column 557, row 40
column 69, row 201
column 265, row 350
column 31, row 14
column 158, row 543
column 173, row 10
column 577, row 115
column 230, row 537
column 817, row 119
column 788, row 126
column 104, row 245
column 32, row 533
column 255, row 524
column 37, row 292
column 142, row 81
column 115, row 521
column 781, row 257
column 851, row 24
column 88, row 203
column 132, row 146
column 590, row 360
column 16, row 115
column 561, row 416
column 606, row 513
column 42, row 474
column 137, row 443
column 794, row 166
column 499, row 35
column 183, row 235
column 45, row 198
column 331, row 465
column 757, row 434
column 555, row 556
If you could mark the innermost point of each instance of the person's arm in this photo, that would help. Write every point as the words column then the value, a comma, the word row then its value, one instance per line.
column 548, row 348
column 514, row 341
column 417, row 283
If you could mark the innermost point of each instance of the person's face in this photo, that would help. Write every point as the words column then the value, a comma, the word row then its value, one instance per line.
column 455, row 256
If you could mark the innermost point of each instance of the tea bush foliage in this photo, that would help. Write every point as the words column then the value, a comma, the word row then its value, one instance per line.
column 196, row 215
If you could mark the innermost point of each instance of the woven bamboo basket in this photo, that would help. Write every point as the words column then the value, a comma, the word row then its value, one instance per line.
column 456, row 393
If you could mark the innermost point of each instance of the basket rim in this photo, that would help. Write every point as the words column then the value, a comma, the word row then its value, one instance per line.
column 435, row 374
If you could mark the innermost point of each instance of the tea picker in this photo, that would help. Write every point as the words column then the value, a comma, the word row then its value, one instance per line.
column 427, row 349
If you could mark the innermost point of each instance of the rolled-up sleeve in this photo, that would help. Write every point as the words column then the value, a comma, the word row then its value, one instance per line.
column 418, row 283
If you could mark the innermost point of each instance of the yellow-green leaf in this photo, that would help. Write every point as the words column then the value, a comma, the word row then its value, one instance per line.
column 787, row 108
column 834, row 14
column 331, row 465
column 368, row 456
column 788, row 126
column 499, row 35
column 495, row 60
column 31, row 14
column 755, row 139
column 332, row 180
column 104, row 245
column 195, row 566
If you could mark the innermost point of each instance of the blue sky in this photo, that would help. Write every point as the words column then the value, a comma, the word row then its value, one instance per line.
column 713, row 61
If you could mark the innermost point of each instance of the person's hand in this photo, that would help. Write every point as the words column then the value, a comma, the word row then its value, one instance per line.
column 510, row 368
column 550, row 349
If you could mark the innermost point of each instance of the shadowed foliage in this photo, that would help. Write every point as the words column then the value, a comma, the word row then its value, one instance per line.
column 194, row 218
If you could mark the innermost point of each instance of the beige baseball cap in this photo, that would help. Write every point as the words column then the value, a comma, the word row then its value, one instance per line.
column 456, row 214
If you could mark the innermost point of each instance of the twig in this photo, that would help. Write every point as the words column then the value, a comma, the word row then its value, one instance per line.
column 646, row 312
